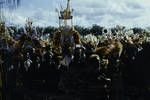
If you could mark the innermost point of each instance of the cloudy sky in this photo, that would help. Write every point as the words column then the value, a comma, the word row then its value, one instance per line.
column 109, row 13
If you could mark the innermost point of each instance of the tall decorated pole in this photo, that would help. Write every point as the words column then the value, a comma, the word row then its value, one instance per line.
column 66, row 36
column 66, row 16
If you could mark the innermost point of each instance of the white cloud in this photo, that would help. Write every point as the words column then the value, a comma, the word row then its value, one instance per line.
column 87, row 12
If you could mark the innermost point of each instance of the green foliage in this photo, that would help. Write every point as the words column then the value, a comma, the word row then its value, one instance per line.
column 97, row 30
column 137, row 30
column 82, row 30
column 50, row 29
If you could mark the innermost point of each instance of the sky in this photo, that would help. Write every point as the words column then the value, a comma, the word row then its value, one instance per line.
column 108, row 13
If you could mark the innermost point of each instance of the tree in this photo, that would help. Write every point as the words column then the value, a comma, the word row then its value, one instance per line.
column 51, row 30
column 82, row 30
column 137, row 30
column 96, row 30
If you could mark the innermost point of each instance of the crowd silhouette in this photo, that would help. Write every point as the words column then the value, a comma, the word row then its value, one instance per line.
column 115, row 68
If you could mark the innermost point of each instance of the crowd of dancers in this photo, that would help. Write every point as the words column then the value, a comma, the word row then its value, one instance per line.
column 116, row 67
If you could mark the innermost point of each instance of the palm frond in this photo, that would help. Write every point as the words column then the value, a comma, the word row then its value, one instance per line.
column 12, row 4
